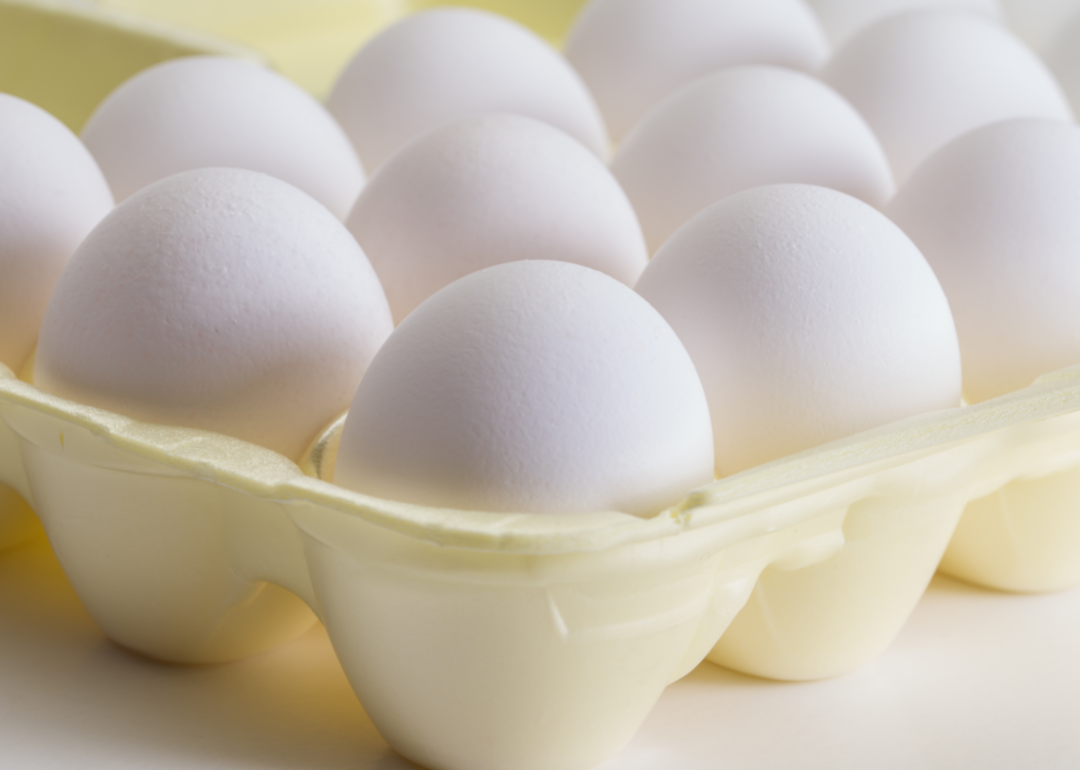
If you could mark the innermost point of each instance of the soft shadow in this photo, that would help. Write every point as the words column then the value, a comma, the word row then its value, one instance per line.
column 288, row 708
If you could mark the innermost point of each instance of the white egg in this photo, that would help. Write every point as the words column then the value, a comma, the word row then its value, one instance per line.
column 842, row 19
column 51, row 195
column 201, row 111
column 633, row 53
column 923, row 78
column 449, row 63
column 219, row 299
column 484, row 190
column 739, row 128
column 809, row 315
column 533, row 386
column 996, row 214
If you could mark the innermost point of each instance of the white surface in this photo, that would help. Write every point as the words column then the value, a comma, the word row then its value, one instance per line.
column 976, row 680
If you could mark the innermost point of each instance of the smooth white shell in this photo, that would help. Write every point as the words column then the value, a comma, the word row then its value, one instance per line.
column 490, row 189
column 533, row 386
column 996, row 214
column 201, row 111
column 219, row 299
column 842, row 19
column 809, row 315
column 739, row 128
column 51, row 195
column 448, row 63
column 633, row 53
column 923, row 78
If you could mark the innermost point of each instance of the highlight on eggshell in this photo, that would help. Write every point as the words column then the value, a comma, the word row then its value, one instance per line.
column 995, row 213
column 202, row 111
column 634, row 53
column 446, row 63
column 809, row 315
column 740, row 128
column 219, row 299
column 52, row 194
column 923, row 78
column 489, row 189
column 533, row 386
column 843, row 19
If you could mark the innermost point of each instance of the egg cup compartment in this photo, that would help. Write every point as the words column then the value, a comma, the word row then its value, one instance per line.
column 1023, row 535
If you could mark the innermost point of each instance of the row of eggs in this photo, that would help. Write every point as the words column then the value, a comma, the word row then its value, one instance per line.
column 232, row 301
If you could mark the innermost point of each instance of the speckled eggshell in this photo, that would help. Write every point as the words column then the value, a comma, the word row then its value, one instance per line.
column 534, row 386
column 633, row 53
column 448, row 63
column 842, row 19
column 809, row 315
column 923, row 78
column 740, row 128
column 220, row 299
column 51, row 195
column 996, row 214
column 201, row 111
column 490, row 189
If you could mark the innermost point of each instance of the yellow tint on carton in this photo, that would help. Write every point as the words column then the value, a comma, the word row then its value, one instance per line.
column 191, row 546
column 311, row 41
column 67, row 57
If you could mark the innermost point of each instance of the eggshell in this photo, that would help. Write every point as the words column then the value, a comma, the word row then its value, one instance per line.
column 201, row 111
column 484, row 190
column 220, row 299
column 809, row 315
column 633, row 53
column 52, row 194
column 739, row 128
column 843, row 19
column 534, row 386
column 995, row 213
column 448, row 63
column 923, row 78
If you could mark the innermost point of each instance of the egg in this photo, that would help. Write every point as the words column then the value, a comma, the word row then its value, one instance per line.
column 633, row 53
column 484, row 190
column 535, row 386
column 809, row 316
column 739, row 128
column 219, row 299
column 842, row 19
column 448, row 63
column 201, row 111
column 995, row 213
column 923, row 78
column 52, row 194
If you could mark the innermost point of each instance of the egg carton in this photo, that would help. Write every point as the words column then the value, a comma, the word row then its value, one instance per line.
column 479, row 640
column 483, row 640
